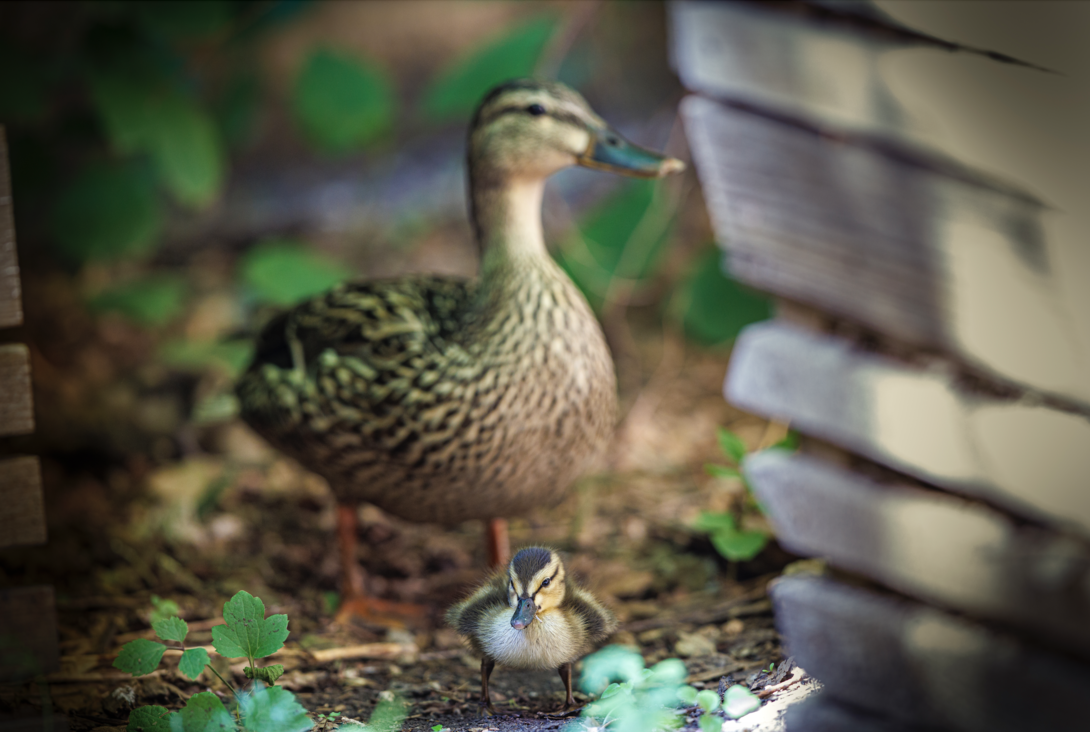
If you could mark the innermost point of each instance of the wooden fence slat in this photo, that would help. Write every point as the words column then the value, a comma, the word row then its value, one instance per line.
column 922, row 665
column 11, row 308
column 22, row 511
column 28, row 628
column 16, row 405
column 1032, row 460
column 916, row 254
column 930, row 545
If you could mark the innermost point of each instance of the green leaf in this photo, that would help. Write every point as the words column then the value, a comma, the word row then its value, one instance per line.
column 731, row 444
column 268, row 674
column 342, row 102
column 687, row 695
column 669, row 671
column 708, row 700
column 282, row 272
column 152, row 301
column 721, row 471
column 139, row 657
column 204, row 712
column 171, row 629
column 740, row 701
column 612, row 662
column 710, row 722
column 230, row 357
column 248, row 632
column 236, row 110
column 718, row 306
column 714, row 521
column 388, row 716
column 789, row 442
column 273, row 709
column 621, row 238
column 436, row 728
column 106, row 212
column 162, row 609
column 193, row 662
column 144, row 112
column 188, row 153
column 459, row 87
column 739, row 546
column 150, row 719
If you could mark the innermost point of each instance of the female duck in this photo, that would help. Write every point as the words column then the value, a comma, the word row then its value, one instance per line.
column 532, row 616
column 439, row 399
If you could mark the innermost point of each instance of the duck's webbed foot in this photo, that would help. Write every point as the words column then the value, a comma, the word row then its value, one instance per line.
column 354, row 602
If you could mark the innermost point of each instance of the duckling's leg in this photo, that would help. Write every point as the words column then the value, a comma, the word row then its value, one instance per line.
column 499, row 545
column 565, row 676
column 354, row 601
column 487, row 664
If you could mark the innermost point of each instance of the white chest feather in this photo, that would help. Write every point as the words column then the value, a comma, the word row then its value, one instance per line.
column 546, row 643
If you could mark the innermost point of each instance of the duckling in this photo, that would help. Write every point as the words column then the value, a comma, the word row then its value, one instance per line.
column 439, row 399
column 531, row 616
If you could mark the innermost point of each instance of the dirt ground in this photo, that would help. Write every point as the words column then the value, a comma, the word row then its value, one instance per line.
column 234, row 515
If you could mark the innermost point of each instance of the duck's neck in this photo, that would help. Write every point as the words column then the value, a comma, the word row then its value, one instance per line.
column 507, row 217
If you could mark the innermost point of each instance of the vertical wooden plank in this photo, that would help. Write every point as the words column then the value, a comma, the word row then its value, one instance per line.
column 22, row 510
column 11, row 306
column 16, row 405
column 28, row 633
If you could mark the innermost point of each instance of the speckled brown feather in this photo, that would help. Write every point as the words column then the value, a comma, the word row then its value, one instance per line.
column 439, row 399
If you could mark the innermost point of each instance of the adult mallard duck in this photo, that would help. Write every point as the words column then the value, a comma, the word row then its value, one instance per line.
column 439, row 399
column 532, row 616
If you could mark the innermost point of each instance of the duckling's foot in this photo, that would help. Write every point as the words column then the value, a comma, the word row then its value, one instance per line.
column 380, row 612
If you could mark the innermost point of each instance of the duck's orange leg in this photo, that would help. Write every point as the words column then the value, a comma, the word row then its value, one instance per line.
column 354, row 601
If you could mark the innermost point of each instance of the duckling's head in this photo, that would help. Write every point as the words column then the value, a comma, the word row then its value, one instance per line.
column 536, row 584
column 529, row 128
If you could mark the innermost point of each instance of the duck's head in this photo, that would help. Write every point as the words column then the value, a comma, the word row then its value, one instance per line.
column 536, row 584
column 528, row 128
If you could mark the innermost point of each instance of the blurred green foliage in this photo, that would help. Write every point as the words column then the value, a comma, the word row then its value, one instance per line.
column 107, row 211
column 455, row 92
column 341, row 102
column 140, row 112
column 716, row 307
column 154, row 300
column 283, row 272
column 619, row 241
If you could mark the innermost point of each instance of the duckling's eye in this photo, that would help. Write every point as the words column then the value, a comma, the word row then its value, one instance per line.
column 536, row 109
column 546, row 582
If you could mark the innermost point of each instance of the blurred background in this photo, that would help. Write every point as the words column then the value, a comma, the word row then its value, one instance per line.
column 181, row 171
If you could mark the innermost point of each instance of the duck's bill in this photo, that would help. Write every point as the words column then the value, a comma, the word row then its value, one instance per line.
column 524, row 613
column 609, row 151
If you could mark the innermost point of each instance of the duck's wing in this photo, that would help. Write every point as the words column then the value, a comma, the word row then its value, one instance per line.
column 466, row 616
column 596, row 619
column 359, row 358
column 385, row 321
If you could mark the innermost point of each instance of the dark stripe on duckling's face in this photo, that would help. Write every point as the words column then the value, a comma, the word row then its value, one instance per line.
column 535, row 576
column 526, row 565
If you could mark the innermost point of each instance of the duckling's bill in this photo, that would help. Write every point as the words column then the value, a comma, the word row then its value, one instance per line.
column 609, row 151
column 524, row 613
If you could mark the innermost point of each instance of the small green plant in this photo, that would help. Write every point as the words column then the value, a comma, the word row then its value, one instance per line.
column 725, row 528
column 331, row 717
column 247, row 633
column 638, row 699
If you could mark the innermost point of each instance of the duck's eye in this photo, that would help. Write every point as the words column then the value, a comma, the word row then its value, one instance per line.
column 536, row 109
column 546, row 582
